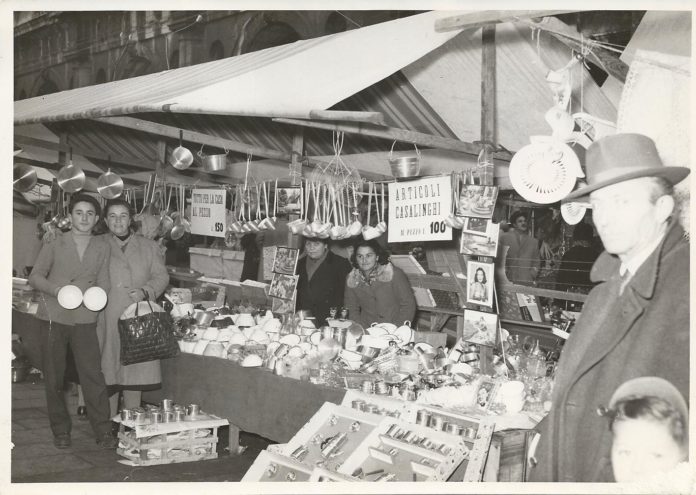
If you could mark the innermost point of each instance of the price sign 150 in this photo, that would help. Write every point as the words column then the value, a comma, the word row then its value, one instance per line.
column 218, row 227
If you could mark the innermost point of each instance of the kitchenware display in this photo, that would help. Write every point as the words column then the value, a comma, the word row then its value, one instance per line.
column 368, row 231
column 69, row 296
column 297, row 226
column 109, row 185
column 24, row 177
column 181, row 158
column 71, row 178
column 94, row 298
column 405, row 166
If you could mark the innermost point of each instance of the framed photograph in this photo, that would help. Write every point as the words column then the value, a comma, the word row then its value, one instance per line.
column 476, row 244
column 283, row 286
column 288, row 200
column 485, row 395
column 475, row 225
column 283, row 306
column 479, row 327
column 285, row 260
column 479, row 283
column 477, row 201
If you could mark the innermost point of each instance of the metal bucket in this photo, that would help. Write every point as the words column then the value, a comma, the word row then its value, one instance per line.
column 213, row 163
column 405, row 166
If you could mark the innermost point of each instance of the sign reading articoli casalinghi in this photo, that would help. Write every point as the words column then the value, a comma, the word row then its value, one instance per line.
column 418, row 208
column 208, row 215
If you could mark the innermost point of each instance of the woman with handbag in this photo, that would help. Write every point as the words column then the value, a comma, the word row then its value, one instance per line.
column 137, row 273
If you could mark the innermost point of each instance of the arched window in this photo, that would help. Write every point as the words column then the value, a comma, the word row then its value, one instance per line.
column 273, row 34
column 217, row 50
column 335, row 23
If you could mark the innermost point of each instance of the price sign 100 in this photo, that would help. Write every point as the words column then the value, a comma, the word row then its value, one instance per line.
column 437, row 227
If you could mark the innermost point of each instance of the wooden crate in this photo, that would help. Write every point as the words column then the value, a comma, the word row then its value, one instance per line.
column 171, row 442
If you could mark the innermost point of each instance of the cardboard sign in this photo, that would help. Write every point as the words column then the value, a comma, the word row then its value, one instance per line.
column 418, row 208
column 208, row 215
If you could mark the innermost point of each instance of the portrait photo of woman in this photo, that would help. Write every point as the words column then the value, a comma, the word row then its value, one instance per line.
column 480, row 283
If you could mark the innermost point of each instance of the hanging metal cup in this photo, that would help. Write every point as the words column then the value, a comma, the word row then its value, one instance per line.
column 405, row 166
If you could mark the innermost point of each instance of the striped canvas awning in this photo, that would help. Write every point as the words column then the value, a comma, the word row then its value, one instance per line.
column 284, row 81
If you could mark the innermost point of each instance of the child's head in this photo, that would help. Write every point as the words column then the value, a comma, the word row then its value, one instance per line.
column 649, row 420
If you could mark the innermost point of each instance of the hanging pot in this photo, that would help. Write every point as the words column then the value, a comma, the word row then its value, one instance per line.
column 109, row 185
column 181, row 158
column 71, row 178
column 405, row 166
column 24, row 177
column 213, row 163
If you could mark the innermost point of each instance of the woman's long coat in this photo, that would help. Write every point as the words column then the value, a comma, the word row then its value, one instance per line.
column 140, row 266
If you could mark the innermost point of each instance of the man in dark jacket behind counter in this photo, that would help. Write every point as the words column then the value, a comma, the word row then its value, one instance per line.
column 322, row 279
column 635, row 322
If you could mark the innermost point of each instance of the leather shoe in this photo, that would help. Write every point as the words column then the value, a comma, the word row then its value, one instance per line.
column 82, row 413
column 62, row 441
column 108, row 441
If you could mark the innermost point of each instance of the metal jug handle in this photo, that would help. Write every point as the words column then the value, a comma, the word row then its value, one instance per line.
column 200, row 152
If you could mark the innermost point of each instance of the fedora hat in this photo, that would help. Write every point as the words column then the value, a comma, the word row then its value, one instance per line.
column 622, row 157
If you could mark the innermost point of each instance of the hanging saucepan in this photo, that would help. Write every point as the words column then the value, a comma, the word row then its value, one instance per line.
column 109, row 185
column 181, row 158
column 213, row 163
column 71, row 178
column 24, row 177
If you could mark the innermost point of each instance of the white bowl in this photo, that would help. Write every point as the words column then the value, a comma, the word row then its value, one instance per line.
column 200, row 346
column 290, row 339
column 272, row 325
column 245, row 320
column 211, row 333
column 70, row 296
column 94, row 298
column 252, row 360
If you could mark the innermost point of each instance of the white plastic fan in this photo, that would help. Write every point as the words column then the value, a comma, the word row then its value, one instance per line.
column 573, row 211
column 544, row 171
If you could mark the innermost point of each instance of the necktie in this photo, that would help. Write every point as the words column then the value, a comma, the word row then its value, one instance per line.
column 624, row 281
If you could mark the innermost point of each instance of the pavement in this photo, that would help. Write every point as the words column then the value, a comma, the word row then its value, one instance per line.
column 34, row 458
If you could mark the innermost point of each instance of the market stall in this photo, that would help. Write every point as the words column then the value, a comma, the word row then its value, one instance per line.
column 437, row 385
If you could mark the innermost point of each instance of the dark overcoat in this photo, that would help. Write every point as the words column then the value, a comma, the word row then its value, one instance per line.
column 642, row 332
column 325, row 289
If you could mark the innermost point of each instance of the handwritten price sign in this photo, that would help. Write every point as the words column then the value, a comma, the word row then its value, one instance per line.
column 208, row 215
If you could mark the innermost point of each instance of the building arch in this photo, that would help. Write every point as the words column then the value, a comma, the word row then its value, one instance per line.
column 273, row 34
column 217, row 50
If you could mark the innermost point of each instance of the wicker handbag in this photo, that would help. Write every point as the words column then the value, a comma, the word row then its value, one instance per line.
column 146, row 336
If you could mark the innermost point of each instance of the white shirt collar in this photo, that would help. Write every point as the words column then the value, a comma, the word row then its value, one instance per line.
column 639, row 258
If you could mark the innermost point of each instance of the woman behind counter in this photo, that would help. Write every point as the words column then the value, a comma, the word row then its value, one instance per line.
column 376, row 290
column 137, row 272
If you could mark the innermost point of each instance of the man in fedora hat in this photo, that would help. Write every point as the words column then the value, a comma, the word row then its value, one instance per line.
column 635, row 322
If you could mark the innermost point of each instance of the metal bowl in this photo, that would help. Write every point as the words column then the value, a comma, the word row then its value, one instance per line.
column 109, row 185
column 71, row 178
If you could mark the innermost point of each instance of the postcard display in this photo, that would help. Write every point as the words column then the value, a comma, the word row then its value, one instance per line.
column 346, row 443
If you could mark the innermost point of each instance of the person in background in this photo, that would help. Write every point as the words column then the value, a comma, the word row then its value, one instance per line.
column 522, row 261
column 321, row 279
column 137, row 273
column 635, row 322
column 74, row 258
column 574, row 271
column 649, row 421
column 377, row 291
